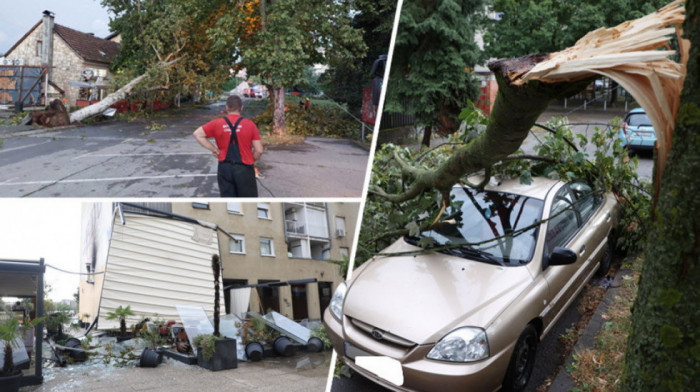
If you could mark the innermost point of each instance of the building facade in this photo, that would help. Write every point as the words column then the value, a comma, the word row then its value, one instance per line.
column 68, row 53
column 289, row 247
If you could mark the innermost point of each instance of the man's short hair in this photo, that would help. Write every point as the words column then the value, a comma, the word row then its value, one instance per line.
column 234, row 103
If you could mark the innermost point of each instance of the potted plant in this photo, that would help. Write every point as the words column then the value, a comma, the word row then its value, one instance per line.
column 54, row 325
column 151, row 357
column 215, row 352
column 121, row 314
column 255, row 335
column 10, row 330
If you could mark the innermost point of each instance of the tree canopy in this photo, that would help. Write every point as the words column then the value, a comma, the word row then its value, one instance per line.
column 521, row 27
column 434, row 54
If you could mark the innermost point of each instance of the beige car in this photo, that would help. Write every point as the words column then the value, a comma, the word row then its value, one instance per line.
column 468, row 315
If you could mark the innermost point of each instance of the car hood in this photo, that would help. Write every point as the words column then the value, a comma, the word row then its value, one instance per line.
column 421, row 298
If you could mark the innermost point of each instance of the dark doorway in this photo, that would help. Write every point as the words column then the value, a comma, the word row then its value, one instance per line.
column 299, row 303
column 227, row 292
column 325, row 293
column 269, row 296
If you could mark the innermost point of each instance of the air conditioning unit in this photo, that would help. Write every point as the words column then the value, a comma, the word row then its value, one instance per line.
column 339, row 233
column 19, row 62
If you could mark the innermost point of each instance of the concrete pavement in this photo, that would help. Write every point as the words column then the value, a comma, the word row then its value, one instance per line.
column 303, row 372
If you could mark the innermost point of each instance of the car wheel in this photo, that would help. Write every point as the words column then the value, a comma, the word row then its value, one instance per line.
column 522, row 361
column 606, row 260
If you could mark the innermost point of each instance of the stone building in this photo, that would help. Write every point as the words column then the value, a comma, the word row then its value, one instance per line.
column 69, row 53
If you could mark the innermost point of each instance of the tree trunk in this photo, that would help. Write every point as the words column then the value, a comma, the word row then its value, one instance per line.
column 111, row 99
column 613, row 93
column 663, row 352
column 427, row 132
column 278, row 123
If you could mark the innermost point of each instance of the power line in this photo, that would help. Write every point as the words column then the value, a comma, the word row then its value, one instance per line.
column 74, row 273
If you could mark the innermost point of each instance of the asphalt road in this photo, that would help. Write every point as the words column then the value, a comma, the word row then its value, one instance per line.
column 125, row 159
column 548, row 357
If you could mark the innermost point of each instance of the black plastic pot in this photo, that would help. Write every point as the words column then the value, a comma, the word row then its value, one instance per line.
column 315, row 345
column 79, row 356
column 225, row 356
column 150, row 358
column 10, row 383
column 254, row 351
column 283, row 346
column 123, row 337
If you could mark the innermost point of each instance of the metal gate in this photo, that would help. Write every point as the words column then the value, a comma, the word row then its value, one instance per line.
column 20, row 83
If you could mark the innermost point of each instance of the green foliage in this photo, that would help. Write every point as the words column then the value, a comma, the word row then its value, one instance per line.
column 152, row 336
column 207, row 343
column 322, row 334
column 608, row 167
column 155, row 126
column 121, row 314
column 434, row 54
column 344, row 81
column 10, row 330
column 255, row 330
column 544, row 26
column 319, row 120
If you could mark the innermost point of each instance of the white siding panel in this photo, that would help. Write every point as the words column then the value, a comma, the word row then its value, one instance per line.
column 153, row 265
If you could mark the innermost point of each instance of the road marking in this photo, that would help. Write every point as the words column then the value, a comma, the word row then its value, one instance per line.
column 85, row 180
column 23, row 147
column 140, row 155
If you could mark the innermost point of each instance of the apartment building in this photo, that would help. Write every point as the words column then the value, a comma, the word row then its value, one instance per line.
column 288, row 252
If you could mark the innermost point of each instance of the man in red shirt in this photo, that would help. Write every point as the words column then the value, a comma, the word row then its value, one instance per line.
column 237, row 154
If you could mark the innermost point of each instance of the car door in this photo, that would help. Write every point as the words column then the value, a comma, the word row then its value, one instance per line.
column 564, row 229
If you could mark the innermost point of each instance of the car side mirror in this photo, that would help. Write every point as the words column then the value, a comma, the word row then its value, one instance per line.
column 562, row 256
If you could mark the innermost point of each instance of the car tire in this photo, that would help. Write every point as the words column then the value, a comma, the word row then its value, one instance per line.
column 606, row 260
column 522, row 361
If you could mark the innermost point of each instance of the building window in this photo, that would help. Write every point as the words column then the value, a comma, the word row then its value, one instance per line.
column 200, row 205
column 237, row 244
column 264, row 210
column 339, row 226
column 267, row 247
column 345, row 252
column 234, row 207
column 38, row 48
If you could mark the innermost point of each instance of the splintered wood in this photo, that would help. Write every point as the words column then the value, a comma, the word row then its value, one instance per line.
column 630, row 54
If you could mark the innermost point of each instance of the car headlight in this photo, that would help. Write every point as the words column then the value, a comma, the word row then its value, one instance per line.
column 466, row 344
column 336, row 304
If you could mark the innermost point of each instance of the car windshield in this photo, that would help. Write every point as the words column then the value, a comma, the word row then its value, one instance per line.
column 638, row 120
column 489, row 226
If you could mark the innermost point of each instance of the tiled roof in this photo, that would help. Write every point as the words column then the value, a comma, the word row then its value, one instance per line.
column 88, row 46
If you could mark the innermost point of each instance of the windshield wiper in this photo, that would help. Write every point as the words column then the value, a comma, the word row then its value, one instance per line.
column 465, row 251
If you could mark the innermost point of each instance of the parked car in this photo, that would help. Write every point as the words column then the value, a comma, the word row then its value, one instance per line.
column 469, row 315
column 637, row 133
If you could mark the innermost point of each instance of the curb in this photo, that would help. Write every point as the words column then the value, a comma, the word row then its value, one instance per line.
column 563, row 381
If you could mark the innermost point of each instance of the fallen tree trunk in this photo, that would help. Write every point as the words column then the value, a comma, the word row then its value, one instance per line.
column 626, row 53
column 113, row 98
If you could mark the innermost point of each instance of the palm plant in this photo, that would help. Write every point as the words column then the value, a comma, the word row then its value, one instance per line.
column 10, row 330
column 121, row 314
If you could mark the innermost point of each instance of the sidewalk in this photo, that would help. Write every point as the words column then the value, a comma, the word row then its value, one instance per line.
column 303, row 372
column 563, row 381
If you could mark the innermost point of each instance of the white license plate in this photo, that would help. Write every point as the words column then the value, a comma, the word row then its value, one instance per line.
column 352, row 351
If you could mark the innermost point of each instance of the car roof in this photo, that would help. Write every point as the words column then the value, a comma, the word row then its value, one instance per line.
column 537, row 189
column 637, row 110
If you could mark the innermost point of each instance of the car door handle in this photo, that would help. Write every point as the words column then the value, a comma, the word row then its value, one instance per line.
column 583, row 249
column 607, row 218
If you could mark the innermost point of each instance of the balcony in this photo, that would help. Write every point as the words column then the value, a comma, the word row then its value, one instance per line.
column 294, row 227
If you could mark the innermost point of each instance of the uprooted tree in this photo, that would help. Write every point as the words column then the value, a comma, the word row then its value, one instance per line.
column 663, row 351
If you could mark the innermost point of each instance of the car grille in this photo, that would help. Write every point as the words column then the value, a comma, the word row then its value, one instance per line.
column 382, row 335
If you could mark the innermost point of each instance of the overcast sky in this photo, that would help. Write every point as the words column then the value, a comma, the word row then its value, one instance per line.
column 48, row 228
column 17, row 17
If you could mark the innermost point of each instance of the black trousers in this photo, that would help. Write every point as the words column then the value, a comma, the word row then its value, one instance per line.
column 237, row 180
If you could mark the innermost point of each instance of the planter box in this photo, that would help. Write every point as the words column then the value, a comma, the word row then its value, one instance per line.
column 225, row 356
